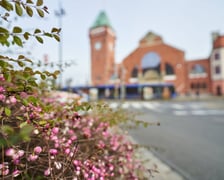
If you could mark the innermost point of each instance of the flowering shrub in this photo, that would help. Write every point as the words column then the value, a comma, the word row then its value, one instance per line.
column 64, row 144
column 42, row 137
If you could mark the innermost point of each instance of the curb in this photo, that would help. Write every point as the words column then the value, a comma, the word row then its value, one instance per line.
column 163, row 171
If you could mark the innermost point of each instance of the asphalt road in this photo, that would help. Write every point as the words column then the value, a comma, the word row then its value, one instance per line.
column 190, row 138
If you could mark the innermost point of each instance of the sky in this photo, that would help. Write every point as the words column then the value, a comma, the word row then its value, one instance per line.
column 184, row 24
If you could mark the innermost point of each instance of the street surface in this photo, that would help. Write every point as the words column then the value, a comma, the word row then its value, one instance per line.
column 190, row 138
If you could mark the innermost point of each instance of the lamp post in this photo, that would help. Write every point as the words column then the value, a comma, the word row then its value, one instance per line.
column 59, row 14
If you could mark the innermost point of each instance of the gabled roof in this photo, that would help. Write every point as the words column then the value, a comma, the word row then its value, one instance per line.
column 101, row 20
column 151, row 38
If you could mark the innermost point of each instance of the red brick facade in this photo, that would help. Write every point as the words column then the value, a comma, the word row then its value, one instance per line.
column 154, row 61
column 198, row 82
column 168, row 55
column 102, row 40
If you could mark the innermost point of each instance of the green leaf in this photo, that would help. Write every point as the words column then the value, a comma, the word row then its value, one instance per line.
column 48, row 34
column 28, row 60
column 39, row 2
column 19, row 118
column 25, row 132
column 57, row 72
column 3, row 30
column 8, row 77
column 18, row 41
column 17, row 29
column 37, row 31
column 25, row 102
column 55, row 30
column 20, row 63
column 3, row 64
column 7, row 112
column 21, row 57
column 29, row 1
column 23, row 124
column 19, row 10
column 29, row 11
column 7, row 129
column 32, row 99
column 39, row 39
column 56, row 37
column 5, row 4
column 40, row 12
column 43, row 77
column 28, row 69
column 26, row 35
column 42, row 122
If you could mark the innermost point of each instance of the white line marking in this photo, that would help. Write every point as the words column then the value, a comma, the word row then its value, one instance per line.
column 199, row 112
column 125, row 105
column 215, row 112
column 136, row 105
column 151, row 106
column 180, row 113
column 178, row 106
column 114, row 105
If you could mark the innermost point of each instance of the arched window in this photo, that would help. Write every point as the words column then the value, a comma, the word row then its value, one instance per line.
column 150, row 61
column 169, row 69
column 134, row 73
column 198, row 69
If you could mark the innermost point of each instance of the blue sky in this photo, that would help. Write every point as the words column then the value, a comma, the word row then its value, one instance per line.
column 185, row 24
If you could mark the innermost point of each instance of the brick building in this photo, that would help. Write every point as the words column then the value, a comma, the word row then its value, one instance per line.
column 154, row 61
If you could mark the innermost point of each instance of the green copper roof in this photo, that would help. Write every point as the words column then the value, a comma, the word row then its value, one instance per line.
column 101, row 20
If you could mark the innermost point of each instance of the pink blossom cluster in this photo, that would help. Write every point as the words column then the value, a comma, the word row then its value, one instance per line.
column 64, row 144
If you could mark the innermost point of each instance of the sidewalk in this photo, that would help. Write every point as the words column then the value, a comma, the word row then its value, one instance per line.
column 164, row 172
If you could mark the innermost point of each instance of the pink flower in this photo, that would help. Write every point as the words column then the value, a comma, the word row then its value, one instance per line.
column 16, row 173
column 16, row 161
column 67, row 151
column 53, row 151
column 75, row 162
column 47, row 172
column 2, row 89
column 12, row 99
column 4, row 172
column 32, row 157
column 20, row 153
column 37, row 149
column 10, row 152
column 55, row 130
column 23, row 95
column 2, row 97
column 4, row 169
column 73, row 138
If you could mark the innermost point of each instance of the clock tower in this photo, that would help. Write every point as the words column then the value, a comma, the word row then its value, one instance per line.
column 102, row 44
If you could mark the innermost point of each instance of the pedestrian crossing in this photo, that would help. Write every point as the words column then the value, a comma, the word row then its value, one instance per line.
column 175, row 109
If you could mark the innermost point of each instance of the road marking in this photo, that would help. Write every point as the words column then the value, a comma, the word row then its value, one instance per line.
column 194, row 106
column 125, row 105
column 151, row 106
column 114, row 105
column 215, row 112
column 180, row 113
column 178, row 106
column 136, row 105
column 199, row 112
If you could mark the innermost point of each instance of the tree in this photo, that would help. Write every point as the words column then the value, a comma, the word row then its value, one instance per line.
column 43, row 137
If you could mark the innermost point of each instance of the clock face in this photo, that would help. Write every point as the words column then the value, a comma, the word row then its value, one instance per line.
column 97, row 45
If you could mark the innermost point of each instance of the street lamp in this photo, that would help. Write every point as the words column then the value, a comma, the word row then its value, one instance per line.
column 59, row 14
